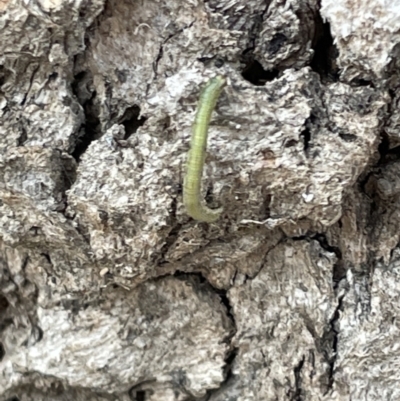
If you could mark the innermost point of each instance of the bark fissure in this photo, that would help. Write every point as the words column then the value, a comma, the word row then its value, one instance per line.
column 91, row 129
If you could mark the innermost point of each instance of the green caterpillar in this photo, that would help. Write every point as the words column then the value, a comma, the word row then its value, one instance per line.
column 196, row 207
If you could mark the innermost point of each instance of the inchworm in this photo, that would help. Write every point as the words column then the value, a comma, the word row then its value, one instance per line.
column 196, row 207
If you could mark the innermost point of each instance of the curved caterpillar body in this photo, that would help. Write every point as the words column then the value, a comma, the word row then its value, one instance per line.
column 196, row 207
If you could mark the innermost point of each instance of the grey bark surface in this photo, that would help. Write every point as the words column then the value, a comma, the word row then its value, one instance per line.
column 109, row 291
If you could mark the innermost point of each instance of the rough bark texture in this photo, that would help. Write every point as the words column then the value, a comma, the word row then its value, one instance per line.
column 109, row 291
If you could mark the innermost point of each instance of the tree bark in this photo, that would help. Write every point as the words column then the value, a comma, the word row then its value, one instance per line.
column 109, row 290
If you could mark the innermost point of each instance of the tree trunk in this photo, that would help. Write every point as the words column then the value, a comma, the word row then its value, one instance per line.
column 109, row 290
